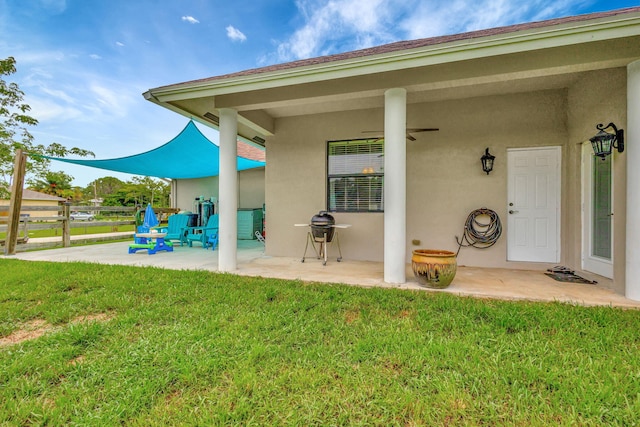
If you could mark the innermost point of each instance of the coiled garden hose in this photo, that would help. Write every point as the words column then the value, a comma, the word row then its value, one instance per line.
column 482, row 229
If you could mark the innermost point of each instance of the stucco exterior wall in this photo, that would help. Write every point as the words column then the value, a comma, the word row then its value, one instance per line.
column 296, row 184
column 599, row 97
column 251, row 189
column 445, row 178
column 445, row 181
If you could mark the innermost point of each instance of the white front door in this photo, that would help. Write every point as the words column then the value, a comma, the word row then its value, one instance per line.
column 533, row 221
column 597, row 213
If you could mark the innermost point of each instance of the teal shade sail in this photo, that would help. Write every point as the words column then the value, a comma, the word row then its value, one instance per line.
column 189, row 155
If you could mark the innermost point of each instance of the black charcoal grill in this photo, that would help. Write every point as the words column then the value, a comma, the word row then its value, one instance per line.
column 321, row 232
column 322, row 226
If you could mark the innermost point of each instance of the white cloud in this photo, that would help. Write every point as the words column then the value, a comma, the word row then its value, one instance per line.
column 235, row 34
column 465, row 15
column 190, row 19
column 342, row 25
column 119, row 44
column 111, row 102
column 95, row 56
column 47, row 110
column 57, row 94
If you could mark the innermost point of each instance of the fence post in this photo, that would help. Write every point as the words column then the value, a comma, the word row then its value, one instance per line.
column 66, row 224
column 19, row 168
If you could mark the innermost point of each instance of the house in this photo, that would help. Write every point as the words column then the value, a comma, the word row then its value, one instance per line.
column 337, row 132
column 35, row 198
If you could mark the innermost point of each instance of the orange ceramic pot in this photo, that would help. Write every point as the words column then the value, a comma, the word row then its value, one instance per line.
column 434, row 268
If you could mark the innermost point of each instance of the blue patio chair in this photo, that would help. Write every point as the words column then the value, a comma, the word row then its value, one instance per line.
column 176, row 228
column 205, row 234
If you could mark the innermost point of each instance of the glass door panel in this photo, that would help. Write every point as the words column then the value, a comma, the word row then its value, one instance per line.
column 601, row 208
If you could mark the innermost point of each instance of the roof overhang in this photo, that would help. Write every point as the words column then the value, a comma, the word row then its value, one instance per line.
column 545, row 54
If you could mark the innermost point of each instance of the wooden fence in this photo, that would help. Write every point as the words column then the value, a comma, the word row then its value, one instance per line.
column 58, row 218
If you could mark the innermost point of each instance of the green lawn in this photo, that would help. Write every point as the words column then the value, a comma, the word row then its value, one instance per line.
column 110, row 345
column 84, row 228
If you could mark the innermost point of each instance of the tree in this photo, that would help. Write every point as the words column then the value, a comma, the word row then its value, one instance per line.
column 54, row 183
column 102, row 188
column 14, row 121
column 150, row 188
column 138, row 192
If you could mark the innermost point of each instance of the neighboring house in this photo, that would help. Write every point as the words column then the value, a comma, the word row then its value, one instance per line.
column 35, row 198
column 532, row 93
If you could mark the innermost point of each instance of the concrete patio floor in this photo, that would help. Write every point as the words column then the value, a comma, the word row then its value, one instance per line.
column 469, row 281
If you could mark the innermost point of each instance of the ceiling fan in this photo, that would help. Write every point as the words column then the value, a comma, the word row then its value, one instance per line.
column 409, row 132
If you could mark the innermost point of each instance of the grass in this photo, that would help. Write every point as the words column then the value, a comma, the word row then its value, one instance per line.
column 88, row 228
column 112, row 345
column 76, row 231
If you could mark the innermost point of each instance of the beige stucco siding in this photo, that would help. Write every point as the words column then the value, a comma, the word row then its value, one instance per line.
column 445, row 181
column 445, row 178
column 296, row 183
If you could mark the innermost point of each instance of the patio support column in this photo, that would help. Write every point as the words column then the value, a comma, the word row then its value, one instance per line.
column 632, row 150
column 395, row 185
column 228, row 191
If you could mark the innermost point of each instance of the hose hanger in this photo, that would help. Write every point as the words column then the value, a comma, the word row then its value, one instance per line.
column 482, row 229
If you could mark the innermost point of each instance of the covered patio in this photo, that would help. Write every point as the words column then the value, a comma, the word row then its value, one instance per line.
column 496, row 283
column 347, row 133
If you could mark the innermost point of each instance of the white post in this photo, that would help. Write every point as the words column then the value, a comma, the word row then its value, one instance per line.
column 632, row 149
column 395, row 185
column 228, row 191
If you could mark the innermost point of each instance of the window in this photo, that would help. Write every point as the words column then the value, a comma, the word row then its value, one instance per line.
column 355, row 175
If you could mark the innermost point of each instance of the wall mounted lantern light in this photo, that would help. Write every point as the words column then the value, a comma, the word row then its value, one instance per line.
column 487, row 161
column 603, row 141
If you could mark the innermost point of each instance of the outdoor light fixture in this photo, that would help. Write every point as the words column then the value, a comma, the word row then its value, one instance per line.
column 487, row 161
column 603, row 142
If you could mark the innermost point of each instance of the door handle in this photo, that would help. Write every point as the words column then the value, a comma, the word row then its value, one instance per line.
column 512, row 212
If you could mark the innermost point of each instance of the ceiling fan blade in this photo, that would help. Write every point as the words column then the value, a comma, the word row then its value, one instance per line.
column 422, row 130
column 409, row 131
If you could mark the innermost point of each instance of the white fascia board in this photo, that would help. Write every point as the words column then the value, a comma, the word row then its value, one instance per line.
column 500, row 44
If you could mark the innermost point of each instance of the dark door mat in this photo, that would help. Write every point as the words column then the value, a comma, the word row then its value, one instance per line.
column 569, row 277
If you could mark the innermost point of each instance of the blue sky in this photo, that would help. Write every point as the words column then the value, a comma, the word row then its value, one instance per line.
column 84, row 64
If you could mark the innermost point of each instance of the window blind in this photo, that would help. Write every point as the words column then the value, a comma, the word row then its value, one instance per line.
column 356, row 175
